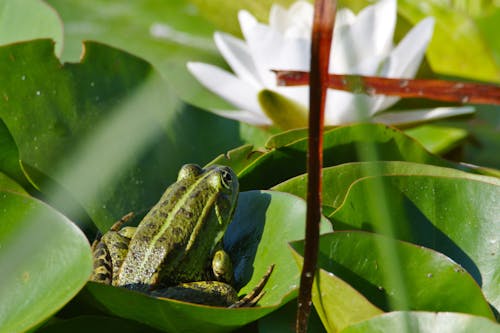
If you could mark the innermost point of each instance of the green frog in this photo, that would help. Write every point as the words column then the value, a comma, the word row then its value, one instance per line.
column 176, row 250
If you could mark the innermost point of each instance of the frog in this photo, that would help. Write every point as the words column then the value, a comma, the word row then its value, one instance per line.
column 176, row 250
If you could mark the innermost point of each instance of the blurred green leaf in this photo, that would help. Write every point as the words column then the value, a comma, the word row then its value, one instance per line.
column 424, row 322
column 458, row 47
column 167, row 34
column 7, row 184
column 456, row 215
column 229, row 21
column 109, row 129
column 9, row 157
column 22, row 20
column 438, row 139
column 432, row 281
column 258, row 236
column 44, row 261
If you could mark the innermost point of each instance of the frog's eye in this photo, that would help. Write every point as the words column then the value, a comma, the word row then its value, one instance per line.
column 227, row 179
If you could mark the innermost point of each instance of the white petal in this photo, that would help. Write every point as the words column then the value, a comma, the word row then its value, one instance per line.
column 344, row 17
column 421, row 115
column 407, row 56
column 278, row 18
column 300, row 17
column 245, row 116
column 367, row 36
column 232, row 89
column 270, row 50
column 299, row 94
column 343, row 107
column 237, row 55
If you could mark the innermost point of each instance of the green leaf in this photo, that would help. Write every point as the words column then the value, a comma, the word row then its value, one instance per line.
column 424, row 322
column 341, row 145
column 438, row 139
column 457, row 47
column 9, row 157
column 263, row 224
column 452, row 214
column 45, row 260
column 7, row 184
column 337, row 303
column 229, row 21
column 22, row 20
column 337, row 180
column 109, row 129
column 167, row 34
column 431, row 281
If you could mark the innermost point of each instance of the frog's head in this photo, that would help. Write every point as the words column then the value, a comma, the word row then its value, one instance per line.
column 215, row 185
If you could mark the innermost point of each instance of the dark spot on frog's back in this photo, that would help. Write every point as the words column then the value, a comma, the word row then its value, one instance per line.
column 184, row 212
column 103, row 263
column 120, row 245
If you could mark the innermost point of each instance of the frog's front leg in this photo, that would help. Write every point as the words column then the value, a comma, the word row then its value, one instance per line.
column 109, row 251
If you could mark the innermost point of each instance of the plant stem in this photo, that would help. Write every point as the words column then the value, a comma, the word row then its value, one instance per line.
column 322, row 32
column 440, row 90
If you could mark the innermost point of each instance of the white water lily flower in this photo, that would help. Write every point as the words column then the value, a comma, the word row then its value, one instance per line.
column 362, row 44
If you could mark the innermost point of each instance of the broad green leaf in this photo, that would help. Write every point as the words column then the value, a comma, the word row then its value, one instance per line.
column 438, row 139
column 424, row 322
column 455, row 215
column 44, row 261
column 431, row 281
column 263, row 224
column 109, row 129
column 337, row 180
column 167, row 34
column 9, row 157
column 22, row 20
column 338, row 304
column 341, row 145
column 9, row 185
column 457, row 47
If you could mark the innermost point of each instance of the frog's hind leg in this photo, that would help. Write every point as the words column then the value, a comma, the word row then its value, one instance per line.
column 109, row 250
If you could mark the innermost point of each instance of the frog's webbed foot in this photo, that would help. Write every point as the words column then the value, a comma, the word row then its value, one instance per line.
column 256, row 294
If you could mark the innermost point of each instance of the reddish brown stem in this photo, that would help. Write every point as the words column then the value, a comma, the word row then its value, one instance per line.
column 441, row 90
column 322, row 32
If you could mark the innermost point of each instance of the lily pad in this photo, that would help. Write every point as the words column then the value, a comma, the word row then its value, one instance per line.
column 427, row 280
column 22, row 20
column 45, row 260
column 286, row 154
column 424, row 322
column 457, row 47
column 108, row 129
column 9, row 157
column 438, row 139
column 338, row 179
column 455, row 215
column 263, row 224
